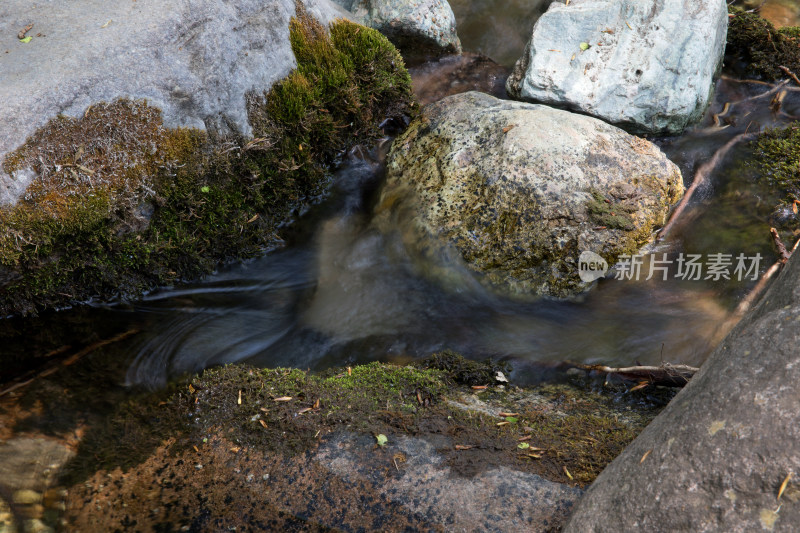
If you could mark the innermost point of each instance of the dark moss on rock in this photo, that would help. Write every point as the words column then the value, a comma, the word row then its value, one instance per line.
column 465, row 371
column 775, row 158
column 759, row 48
column 571, row 432
column 121, row 203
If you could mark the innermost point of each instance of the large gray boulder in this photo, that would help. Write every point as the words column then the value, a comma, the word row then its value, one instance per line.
column 716, row 458
column 516, row 192
column 649, row 65
column 419, row 28
column 194, row 59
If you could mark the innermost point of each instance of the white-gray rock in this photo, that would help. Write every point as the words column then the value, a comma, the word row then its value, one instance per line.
column 419, row 28
column 517, row 191
column 649, row 65
column 193, row 59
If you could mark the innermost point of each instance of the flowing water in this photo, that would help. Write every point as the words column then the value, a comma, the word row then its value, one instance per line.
column 341, row 293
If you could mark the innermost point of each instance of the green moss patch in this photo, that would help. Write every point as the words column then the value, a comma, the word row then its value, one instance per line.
column 563, row 432
column 760, row 47
column 610, row 214
column 121, row 204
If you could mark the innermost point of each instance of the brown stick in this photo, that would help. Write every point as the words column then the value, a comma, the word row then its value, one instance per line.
column 790, row 74
column 700, row 177
column 69, row 361
column 666, row 374
column 756, row 291
column 780, row 246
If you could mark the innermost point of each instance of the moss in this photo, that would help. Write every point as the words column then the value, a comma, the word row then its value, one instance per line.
column 608, row 214
column 465, row 371
column 121, row 204
column 776, row 156
column 759, row 47
column 287, row 411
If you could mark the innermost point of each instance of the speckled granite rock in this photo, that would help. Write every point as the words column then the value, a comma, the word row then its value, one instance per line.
column 419, row 28
column 717, row 455
column 194, row 60
column 517, row 191
column 646, row 66
column 347, row 484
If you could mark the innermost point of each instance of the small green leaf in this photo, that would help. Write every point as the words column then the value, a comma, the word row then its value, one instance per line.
column 584, row 46
column 382, row 440
column 523, row 445
column 512, row 419
column 205, row 188
column 26, row 39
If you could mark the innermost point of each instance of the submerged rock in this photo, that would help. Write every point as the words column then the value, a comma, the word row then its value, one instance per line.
column 646, row 66
column 720, row 455
column 193, row 60
column 419, row 28
column 517, row 191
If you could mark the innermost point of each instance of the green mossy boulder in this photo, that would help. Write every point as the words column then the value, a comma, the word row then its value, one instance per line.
column 121, row 204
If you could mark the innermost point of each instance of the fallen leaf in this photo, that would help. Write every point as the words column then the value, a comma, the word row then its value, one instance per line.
column 553, row 50
column 585, row 46
column 567, row 473
column 463, row 446
column 255, row 217
column 263, row 423
column 239, row 401
column 303, row 410
column 628, row 25
column 526, row 437
column 534, row 456
column 794, row 207
column 645, row 456
column 479, row 387
column 641, row 385
column 504, row 414
column 283, row 399
column 506, row 130
column 204, row 188
column 503, row 423
column 512, row 419
column 382, row 440
column 783, row 485
column 316, row 404
column 106, row 24
column 235, row 449
column 26, row 39
column 195, row 449
column 349, row 371
column 523, row 445
column 501, row 377
column 608, row 31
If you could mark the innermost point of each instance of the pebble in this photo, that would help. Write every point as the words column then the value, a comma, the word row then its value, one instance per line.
column 26, row 497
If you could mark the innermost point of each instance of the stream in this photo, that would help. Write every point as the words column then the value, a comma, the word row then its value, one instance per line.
column 340, row 293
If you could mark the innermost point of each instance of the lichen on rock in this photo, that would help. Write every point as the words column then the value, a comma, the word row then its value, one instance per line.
column 514, row 192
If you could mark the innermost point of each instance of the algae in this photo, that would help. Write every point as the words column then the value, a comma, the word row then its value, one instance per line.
column 121, row 204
